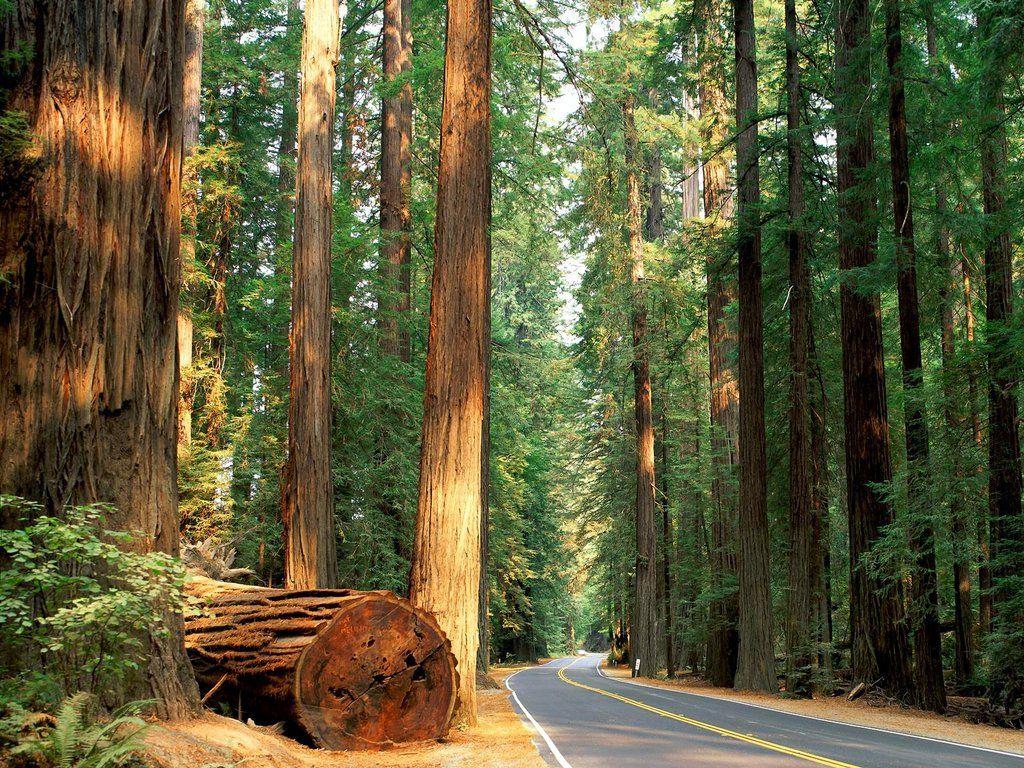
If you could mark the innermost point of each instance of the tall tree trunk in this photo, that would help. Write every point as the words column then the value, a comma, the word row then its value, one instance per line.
column 446, row 556
column 394, row 300
column 723, row 640
column 644, row 640
column 984, row 565
column 877, row 618
column 394, row 185
column 654, row 231
column 1004, row 462
column 307, row 504
column 89, row 241
column 755, row 667
column 931, row 690
column 963, row 612
column 802, row 556
column 195, row 12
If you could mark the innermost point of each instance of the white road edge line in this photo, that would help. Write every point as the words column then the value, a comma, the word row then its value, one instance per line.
column 562, row 762
column 1018, row 755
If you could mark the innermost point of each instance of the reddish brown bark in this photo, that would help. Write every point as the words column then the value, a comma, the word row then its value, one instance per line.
column 89, row 245
column 353, row 670
column 877, row 619
column 445, row 575
column 755, row 668
column 644, row 640
column 307, row 493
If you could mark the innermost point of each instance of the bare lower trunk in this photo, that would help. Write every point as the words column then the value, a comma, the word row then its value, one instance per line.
column 877, row 618
column 445, row 575
column 307, row 503
column 89, row 301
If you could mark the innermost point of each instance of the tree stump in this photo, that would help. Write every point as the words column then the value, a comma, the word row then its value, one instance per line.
column 352, row 670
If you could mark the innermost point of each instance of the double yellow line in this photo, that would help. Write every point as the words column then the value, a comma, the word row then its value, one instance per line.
column 817, row 759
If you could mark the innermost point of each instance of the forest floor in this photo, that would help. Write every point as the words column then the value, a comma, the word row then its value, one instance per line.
column 499, row 740
column 873, row 715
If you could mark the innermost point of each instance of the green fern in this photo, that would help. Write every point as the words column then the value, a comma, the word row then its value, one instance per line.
column 79, row 739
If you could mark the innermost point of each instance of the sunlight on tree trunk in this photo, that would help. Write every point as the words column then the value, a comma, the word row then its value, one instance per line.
column 307, row 494
column 445, row 575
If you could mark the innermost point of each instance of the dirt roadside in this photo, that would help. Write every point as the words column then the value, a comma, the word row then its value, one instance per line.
column 890, row 718
column 500, row 740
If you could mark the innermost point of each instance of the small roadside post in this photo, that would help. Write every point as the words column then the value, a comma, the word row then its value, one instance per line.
column 636, row 668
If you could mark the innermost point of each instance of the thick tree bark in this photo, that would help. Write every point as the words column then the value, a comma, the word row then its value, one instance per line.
column 353, row 670
column 931, row 690
column 803, row 558
column 755, row 667
column 877, row 618
column 645, row 592
column 1004, row 461
column 88, row 305
column 446, row 557
column 307, row 505
column 723, row 641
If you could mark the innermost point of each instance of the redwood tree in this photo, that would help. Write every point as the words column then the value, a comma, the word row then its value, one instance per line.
column 877, row 618
column 445, row 576
column 802, row 555
column 756, row 660
column 644, row 639
column 931, row 689
column 89, row 238
column 1004, row 461
column 307, row 508
column 723, row 640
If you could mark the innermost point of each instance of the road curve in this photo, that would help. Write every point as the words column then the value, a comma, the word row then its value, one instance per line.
column 586, row 720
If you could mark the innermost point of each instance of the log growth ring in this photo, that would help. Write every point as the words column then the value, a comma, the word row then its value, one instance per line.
column 380, row 673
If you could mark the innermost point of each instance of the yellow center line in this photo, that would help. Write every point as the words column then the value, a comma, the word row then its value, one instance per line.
column 818, row 759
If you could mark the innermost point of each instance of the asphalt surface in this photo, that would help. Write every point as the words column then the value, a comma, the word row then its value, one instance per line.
column 586, row 720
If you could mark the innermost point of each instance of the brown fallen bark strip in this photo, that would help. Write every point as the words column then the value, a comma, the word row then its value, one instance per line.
column 352, row 670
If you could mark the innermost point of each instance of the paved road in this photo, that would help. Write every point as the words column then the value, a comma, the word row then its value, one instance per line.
column 587, row 720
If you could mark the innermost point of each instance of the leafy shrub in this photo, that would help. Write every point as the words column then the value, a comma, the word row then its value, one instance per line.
column 74, row 598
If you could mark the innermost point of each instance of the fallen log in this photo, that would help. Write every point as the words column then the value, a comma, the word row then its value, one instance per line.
column 352, row 670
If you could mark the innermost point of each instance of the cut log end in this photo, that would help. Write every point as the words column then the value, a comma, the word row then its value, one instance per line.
column 352, row 670
column 380, row 673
